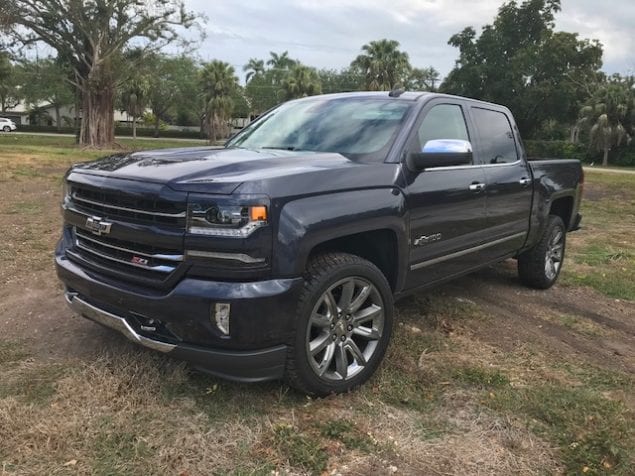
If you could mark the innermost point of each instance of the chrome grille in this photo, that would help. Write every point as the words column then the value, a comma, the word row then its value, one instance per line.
column 116, row 204
column 150, row 261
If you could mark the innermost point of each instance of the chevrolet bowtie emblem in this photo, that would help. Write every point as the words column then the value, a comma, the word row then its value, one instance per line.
column 98, row 226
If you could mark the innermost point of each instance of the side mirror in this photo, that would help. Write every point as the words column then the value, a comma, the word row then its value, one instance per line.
column 442, row 153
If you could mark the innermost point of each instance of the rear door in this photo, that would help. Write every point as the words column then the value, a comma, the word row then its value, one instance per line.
column 508, row 179
column 447, row 208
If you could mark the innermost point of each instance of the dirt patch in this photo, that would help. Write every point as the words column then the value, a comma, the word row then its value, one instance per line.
column 517, row 316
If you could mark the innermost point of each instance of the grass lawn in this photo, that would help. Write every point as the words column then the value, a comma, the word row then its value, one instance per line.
column 482, row 377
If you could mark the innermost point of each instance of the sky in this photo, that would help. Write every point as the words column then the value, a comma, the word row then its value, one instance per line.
column 330, row 33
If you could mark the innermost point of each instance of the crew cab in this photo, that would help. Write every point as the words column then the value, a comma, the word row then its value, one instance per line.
column 281, row 254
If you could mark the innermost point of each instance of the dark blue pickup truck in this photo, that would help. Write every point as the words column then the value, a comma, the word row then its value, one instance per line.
column 280, row 255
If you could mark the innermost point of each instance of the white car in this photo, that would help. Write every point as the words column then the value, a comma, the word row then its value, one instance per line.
column 7, row 125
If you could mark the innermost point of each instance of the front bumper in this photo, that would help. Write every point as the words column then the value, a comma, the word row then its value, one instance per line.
column 261, row 322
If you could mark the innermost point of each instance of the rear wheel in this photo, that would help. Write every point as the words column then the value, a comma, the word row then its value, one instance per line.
column 343, row 326
column 540, row 266
column 6, row 129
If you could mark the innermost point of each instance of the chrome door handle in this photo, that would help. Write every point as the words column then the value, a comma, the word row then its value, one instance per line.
column 524, row 181
column 477, row 187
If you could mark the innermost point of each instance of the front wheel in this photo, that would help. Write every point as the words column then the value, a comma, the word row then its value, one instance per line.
column 343, row 325
column 6, row 129
column 540, row 266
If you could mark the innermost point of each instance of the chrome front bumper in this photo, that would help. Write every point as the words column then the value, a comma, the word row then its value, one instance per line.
column 117, row 323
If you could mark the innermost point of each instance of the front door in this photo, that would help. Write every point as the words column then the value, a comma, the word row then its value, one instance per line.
column 447, row 204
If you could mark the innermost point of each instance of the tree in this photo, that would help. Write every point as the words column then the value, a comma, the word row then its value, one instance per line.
column 134, row 99
column 91, row 37
column 281, row 61
column 262, row 93
column 520, row 61
column 218, row 83
column 47, row 81
column 173, row 84
column 302, row 81
column 422, row 79
column 347, row 79
column 610, row 115
column 383, row 65
column 9, row 82
column 254, row 67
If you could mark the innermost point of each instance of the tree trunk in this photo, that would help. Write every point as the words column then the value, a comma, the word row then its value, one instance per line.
column 212, row 130
column 134, row 127
column 157, row 123
column 605, row 159
column 58, row 119
column 98, row 116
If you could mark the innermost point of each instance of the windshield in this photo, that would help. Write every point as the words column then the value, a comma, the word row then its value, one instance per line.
column 358, row 128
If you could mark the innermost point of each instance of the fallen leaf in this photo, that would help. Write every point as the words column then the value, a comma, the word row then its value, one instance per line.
column 72, row 462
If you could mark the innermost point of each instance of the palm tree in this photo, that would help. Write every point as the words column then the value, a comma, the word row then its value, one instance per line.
column 383, row 65
column 609, row 117
column 423, row 79
column 302, row 81
column 280, row 66
column 218, row 83
column 281, row 61
column 134, row 99
column 254, row 67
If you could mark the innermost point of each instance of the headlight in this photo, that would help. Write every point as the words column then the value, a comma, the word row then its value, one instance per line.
column 225, row 220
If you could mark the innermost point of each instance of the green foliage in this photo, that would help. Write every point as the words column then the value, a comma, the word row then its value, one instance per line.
column 347, row 433
column 556, row 149
column 92, row 37
column 520, row 61
column 608, row 117
column 479, row 377
column 593, row 432
column 218, row 84
column 334, row 81
column 422, row 79
column 9, row 83
column 302, row 450
column 47, row 80
column 383, row 65
column 300, row 82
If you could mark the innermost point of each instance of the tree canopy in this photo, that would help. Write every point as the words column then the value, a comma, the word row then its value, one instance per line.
column 91, row 37
column 520, row 61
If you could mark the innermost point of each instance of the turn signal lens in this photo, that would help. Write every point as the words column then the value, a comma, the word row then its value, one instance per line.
column 258, row 213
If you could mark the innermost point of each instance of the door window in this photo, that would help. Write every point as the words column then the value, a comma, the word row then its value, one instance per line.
column 496, row 138
column 444, row 121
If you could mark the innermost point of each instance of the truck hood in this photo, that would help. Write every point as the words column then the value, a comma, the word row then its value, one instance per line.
column 223, row 171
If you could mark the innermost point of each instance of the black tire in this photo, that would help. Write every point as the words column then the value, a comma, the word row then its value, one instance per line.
column 533, row 265
column 324, row 276
column 6, row 129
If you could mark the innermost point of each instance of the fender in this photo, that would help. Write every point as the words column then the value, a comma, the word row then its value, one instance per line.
column 310, row 221
column 549, row 187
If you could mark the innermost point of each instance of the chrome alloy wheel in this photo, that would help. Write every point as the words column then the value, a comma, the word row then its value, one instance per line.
column 344, row 330
column 555, row 252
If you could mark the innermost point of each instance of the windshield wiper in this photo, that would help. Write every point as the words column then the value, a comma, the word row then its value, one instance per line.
column 280, row 148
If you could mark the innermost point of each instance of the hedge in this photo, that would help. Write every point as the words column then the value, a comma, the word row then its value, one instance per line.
column 119, row 131
column 560, row 149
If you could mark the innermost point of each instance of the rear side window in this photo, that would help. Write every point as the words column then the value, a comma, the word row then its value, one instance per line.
column 496, row 139
column 444, row 121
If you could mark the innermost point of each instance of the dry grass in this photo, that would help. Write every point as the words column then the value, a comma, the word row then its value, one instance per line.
column 482, row 377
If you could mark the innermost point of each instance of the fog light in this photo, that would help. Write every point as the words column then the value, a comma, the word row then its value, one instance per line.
column 221, row 316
